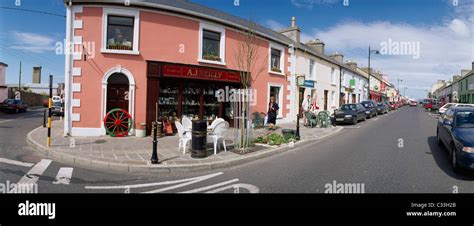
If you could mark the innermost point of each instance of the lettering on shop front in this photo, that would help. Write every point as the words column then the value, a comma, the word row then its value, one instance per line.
column 200, row 73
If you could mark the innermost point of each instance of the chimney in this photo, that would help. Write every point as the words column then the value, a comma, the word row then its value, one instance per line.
column 352, row 64
column 292, row 32
column 36, row 75
column 337, row 57
column 317, row 45
column 456, row 78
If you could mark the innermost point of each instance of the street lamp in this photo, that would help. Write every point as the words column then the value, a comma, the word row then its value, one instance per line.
column 375, row 52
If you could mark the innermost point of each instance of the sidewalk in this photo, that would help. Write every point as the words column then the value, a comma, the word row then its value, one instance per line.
column 132, row 154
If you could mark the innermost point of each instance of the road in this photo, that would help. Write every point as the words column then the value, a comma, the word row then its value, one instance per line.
column 393, row 153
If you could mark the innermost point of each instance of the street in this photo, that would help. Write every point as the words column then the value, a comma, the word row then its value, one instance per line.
column 393, row 153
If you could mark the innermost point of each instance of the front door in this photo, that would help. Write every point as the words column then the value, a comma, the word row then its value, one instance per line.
column 354, row 98
column 326, row 100
column 117, row 97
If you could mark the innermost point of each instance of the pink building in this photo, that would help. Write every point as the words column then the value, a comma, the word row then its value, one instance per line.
column 175, row 54
column 3, row 86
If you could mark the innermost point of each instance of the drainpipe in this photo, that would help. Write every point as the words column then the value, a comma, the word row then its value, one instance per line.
column 67, row 75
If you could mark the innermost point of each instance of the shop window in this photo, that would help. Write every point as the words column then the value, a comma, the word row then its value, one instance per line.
column 120, row 31
column 211, row 45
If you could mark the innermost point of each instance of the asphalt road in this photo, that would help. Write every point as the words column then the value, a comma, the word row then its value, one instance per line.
column 394, row 153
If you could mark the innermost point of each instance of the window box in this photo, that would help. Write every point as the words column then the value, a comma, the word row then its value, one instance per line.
column 119, row 47
column 212, row 58
column 275, row 69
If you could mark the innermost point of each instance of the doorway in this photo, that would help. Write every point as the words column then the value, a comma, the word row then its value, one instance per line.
column 326, row 100
column 117, row 92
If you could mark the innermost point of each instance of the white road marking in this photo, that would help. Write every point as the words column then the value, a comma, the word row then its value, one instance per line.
column 64, row 176
column 14, row 162
column 351, row 127
column 33, row 175
column 180, row 185
column 211, row 186
column 249, row 187
column 6, row 121
column 151, row 184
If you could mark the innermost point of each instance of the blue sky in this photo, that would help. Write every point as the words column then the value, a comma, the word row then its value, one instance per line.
column 444, row 32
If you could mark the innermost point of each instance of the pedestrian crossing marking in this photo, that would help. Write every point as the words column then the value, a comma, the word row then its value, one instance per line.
column 33, row 175
column 64, row 176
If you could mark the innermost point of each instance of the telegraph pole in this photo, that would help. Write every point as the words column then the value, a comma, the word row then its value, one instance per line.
column 19, row 79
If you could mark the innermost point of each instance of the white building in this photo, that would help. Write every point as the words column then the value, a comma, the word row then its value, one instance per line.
column 353, row 85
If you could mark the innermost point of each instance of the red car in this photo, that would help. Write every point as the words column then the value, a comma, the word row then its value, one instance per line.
column 393, row 105
column 12, row 105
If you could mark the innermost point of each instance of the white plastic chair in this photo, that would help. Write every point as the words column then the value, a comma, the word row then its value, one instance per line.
column 218, row 134
column 214, row 123
column 187, row 124
column 184, row 137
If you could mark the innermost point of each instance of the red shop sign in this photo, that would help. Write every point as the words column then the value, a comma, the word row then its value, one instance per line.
column 200, row 73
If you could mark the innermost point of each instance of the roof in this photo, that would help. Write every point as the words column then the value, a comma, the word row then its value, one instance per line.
column 195, row 10
column 4, row 64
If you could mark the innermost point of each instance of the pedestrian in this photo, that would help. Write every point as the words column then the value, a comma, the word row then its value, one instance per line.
column 306, row 106
column 272, row 113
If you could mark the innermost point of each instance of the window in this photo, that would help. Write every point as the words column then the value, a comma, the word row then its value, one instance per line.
column 333, row 76
column 333, row 98
column 120, row 31
column 312, row 71
column 211, row 45
column 275, row 60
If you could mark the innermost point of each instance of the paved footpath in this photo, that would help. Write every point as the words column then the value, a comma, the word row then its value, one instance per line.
column 132, row 154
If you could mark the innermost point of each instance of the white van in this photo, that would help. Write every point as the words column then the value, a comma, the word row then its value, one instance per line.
column 56, row 99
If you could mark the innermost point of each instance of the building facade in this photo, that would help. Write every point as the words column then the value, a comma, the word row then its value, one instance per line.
column 3, row 87
column 466, row 88
column 353, row 85
column 163, row 58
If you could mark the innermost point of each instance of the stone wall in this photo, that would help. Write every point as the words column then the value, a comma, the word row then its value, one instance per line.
column 32, row 99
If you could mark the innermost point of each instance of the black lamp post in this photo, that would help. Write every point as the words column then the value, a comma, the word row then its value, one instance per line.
column 376, row 52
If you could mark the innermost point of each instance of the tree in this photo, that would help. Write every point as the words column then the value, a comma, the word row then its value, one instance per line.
column 248, row 59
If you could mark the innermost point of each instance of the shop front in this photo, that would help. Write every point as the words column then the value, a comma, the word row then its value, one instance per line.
column 176, row 90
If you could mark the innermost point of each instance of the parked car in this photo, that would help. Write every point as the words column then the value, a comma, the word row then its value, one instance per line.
column 455, row 131
column 370, row 108
column 446, row 106
column 393, row 106
column 382, row 108
column 350, row 113
column 12, row 105
column 413, row 103
column 432, row 103
column 57, row 109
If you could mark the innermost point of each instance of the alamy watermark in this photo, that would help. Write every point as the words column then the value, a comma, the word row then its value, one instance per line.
column 407, row 48
column 237, row 95
column 347, row 188
column 84, row 48
column 14, row 188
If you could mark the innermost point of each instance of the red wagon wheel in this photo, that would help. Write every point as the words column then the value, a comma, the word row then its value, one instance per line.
column 118, row 122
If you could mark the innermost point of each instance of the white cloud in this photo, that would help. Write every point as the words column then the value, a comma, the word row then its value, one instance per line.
column 309, row 4
column 32, row 42
column 274, row 25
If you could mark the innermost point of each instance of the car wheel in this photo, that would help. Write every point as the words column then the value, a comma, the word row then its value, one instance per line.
column 454, row 159
column 438, row 139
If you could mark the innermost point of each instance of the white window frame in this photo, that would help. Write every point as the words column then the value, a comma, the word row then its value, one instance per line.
column 215, row 28
column 312, row 73
column 333, row 76
column 282, row 58
column 333, row 98
column 136, row 28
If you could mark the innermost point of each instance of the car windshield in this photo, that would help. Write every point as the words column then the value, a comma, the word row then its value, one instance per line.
column 465, row 119
column 380, row 104
column 348, row 107
column 8, row 101
column 57, row 104
column 366, row 104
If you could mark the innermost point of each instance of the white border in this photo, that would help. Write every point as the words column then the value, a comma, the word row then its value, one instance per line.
column 280, row 98
column 131, row 100
column 136, row 29
column 276, row 46
column 215, row 28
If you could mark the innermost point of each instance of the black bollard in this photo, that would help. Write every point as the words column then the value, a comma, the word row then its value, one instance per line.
column 154, row 155
column 44, row 118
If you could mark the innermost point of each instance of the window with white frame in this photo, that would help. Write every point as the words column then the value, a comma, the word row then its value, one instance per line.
column 333, row 76
column 312, row 70
column 333, row 98
column 276, row 58
column 211, row 44
column 343, row 79
column 120, row 31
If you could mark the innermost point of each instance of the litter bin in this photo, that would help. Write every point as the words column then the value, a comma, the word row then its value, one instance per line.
column 199, row 139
